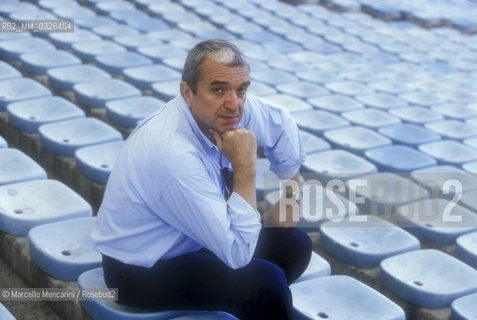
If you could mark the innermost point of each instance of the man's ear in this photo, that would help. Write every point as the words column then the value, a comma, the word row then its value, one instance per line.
column 186, row 93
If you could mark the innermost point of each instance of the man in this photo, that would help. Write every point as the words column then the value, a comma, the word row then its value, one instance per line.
column 173, row 235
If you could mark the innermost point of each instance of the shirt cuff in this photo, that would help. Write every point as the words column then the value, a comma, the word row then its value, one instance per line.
column 244, row 217
column 286, row 172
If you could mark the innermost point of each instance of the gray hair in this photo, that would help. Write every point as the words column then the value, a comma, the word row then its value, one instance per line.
column 220, row 51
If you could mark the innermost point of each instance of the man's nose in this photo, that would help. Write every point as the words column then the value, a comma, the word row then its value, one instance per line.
column 232, row 101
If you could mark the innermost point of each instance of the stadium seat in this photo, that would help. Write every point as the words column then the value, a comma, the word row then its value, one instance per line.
column 5, row 314
column 399, row 158
column 29, row 115
column 337, row 164
column 341, row 297
column 87, row 51
column 356, row 139
column 464, row 308
column 106, row 7
column 96, row 94
column 109, row 32
column 15, row 166
column 8, row 72
column 381, row 101
column 390, row 86
column 66, row 40
column 177, row 62
column 312, row 143
column 20, row 89
column 137, row 41
column 260, row 89
column 302, row 89
column 428, row 278
column 166, row 90
column 365, row 244
column 65, row 78
column 466, row 250
column 96, row 162
column 319, row 76
column 65, row 137
column 317, row 121
column 449, row 152
column 419, row 115
column 409, row 134
column 8, row 8
column 423, row 98
column 148, row 24
column 160, row 51
column 292, row 104
column 273, row 77
column 370, row 118
column 3, row 143
column 64, row 249
column 438, row 221
column 31, row 203
column 115, row 63
column 335, row 103
column 11, row 50
column 72, row 12
column 94, row 21
column 39, row 63
column 452, row 129
column 108, row 309
column 143, row 77
column 127, row 112
column 349, row 88
column 318, row 205
column 456, row 111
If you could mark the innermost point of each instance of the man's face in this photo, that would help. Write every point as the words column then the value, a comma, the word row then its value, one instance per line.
column 220, row 96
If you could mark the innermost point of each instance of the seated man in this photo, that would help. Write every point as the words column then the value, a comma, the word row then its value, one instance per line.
column 173, row 231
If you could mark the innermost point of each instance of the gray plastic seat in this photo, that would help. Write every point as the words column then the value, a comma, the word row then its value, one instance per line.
column 32, row 203
column 95, row 94
column 335, row 103
column 96, row 162
column 399, row 158
column 87, row 51
column 356, row 139
column 11, row 50
column 317, row 121
column 365, row 244
column 65, row 137
column 66, row 40
column 371, row 118
column 115, row 63
column 65, row 78
column 464, row 308
column 29, row 115
column 15, row 166
column 20, row 89
column 437, row 221
column 409, row 134
column 452, row 129
column 39, row 63
column 428, row 278
column 166, row 90
column 127, row 112
column 342, row 297
column 8, row 72
column 449, row 152
column 143, row 77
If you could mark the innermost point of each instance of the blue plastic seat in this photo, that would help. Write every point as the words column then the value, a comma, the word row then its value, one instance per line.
column 8, row 72
column 356, row 139
column 111, row 31
column 87, row 51
column 274, row 77
column 65, row 78
column 127, row 112
column 166, row 90
column 65, row 137
column 371, row 118
column 292, row 104
column 8, row 8
column 302, row 89
column 176, row 62
column 399, row 158
column 428, row 278
column 312, row 143
column 337, row 164
column 108, row 309
column 5, row 314
column 105, row 7
column 93, row 22
column 423, row 98
column 160, row 51
column 20, row 89
column 95, row 94
column 15, row 166
column 335, row 103
column 466, row 250
column 64, row 249
column 72, row 12
column 472, row 142
column 134, row 42
column 115, row 63
column 317, row 121
column 418, row 115
column 453, row 129
column 3, row 143
column 390, row 86
column 342, row 297
column 456, row 111
column 319, row 76
column 29, row 115
column 349, row 88
column 464, row 308
column 470, row 167
column 382, row 101
column 409, row 134
column 318, row 267
column 96, row 162
column 265, row 180
column 11, row 50
column 39, row 63
column 318, row 206
column 260, row 89
column 143, row 77
column 148, row 24
column 66, row 40
column 449, row 152
column 365, row 244
column 32, row 203
column 437, row 221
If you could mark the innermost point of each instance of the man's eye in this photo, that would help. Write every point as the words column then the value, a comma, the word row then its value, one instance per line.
column 217, row 90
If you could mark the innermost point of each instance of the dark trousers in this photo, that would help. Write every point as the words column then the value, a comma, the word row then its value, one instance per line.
column 200, row 281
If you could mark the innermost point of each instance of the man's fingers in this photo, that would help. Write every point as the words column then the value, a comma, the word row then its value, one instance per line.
column 218, row 138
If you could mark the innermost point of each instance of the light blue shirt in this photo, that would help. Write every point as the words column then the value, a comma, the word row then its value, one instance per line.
column 164, row 196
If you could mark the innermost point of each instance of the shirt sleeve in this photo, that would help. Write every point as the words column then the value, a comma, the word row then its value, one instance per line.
column 194, row 206
column 278, row 133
